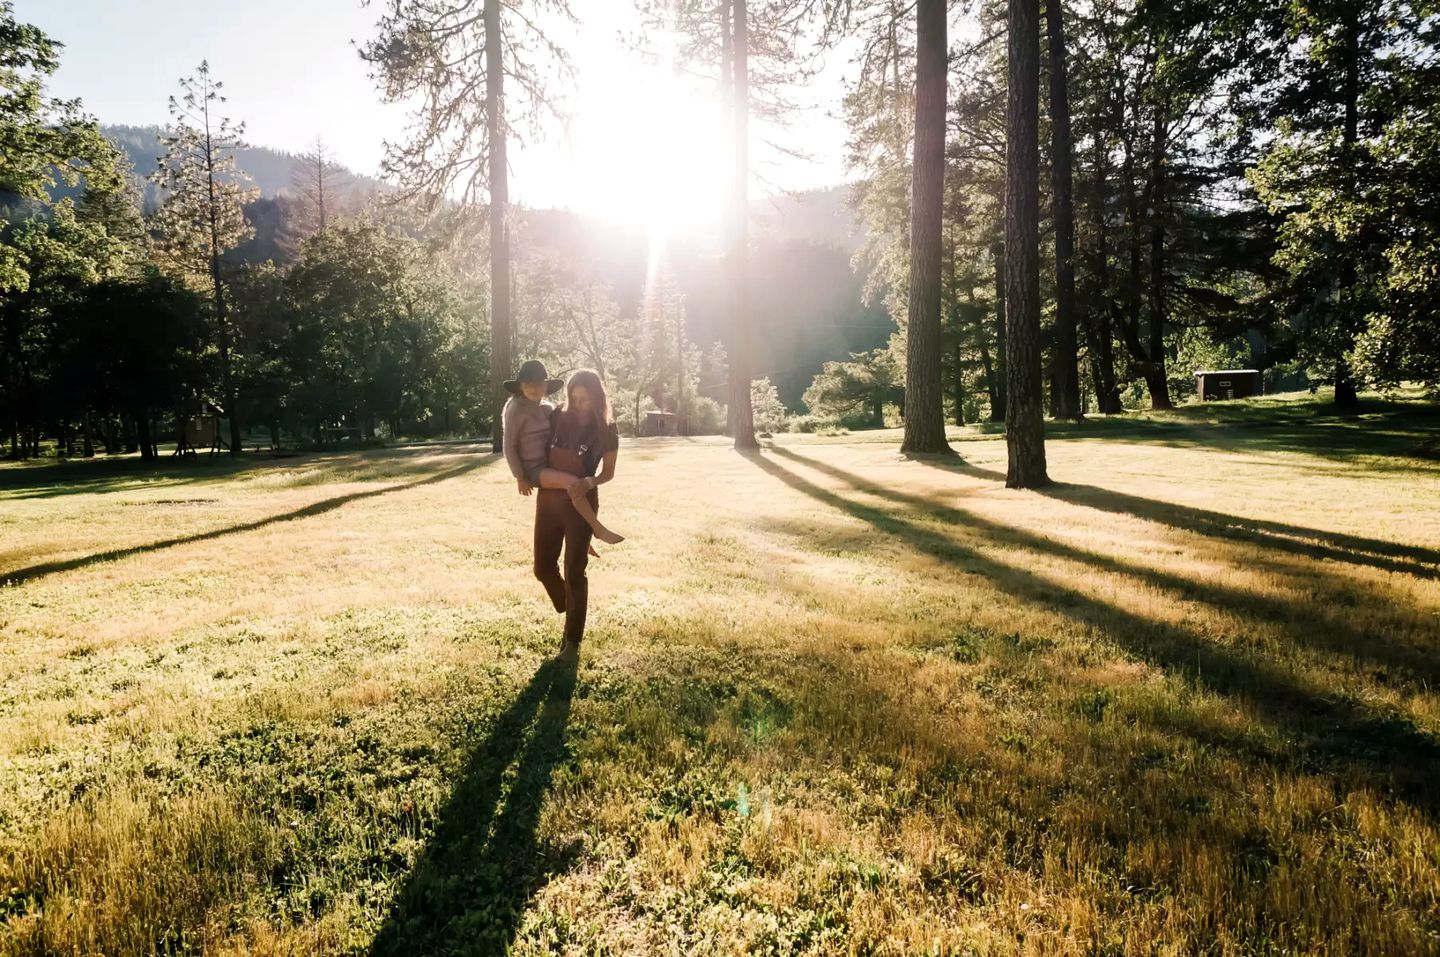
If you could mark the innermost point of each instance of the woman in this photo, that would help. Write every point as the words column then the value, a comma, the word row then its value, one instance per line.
column 583, row 439
column 527, row 419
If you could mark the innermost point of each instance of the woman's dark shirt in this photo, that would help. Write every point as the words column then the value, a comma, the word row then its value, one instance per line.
column 585, row 436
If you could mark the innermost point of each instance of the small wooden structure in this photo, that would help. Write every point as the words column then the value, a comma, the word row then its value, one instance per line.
column 201, row 431
column 1218, row 384
column 660, row 423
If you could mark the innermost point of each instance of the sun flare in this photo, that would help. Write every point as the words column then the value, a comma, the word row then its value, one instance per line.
column 651, row 152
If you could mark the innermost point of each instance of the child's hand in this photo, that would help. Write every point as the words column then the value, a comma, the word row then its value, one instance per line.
column 525, row 487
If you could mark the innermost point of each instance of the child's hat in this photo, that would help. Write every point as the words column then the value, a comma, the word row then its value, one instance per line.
column 533, row 371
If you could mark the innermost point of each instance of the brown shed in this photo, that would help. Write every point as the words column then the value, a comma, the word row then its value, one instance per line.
column 1214, row 384
column 660, row 423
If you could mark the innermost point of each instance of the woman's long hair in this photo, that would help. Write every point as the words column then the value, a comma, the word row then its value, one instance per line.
column 599, row 398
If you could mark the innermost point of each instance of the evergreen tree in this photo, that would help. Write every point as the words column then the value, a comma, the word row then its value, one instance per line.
column 320, row 188
column 1024, row 416
column 1353, row 105
column 444, row 54
column 924, row 412
column 203, row 214
column 1064, row 359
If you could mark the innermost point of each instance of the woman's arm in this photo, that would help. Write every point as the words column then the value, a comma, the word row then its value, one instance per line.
column 607, row 467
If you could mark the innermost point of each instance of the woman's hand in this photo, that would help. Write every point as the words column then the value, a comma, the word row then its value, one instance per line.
column 525, row 487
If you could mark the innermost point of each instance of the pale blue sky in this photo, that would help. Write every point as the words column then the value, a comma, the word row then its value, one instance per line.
column 291, row 72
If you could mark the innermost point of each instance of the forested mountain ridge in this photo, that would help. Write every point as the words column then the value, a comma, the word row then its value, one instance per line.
column 271, row 171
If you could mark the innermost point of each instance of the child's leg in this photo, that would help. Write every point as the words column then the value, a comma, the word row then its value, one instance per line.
column 578, row 488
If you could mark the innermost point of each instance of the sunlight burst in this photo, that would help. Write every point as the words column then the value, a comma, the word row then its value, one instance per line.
column 651, row 151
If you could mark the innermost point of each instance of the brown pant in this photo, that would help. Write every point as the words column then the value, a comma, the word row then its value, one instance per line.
column 556, row 524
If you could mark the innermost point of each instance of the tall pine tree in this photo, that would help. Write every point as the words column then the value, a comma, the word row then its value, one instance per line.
column 203, row 214
column 446, row 54
column 1024, row 410
column 924, row 409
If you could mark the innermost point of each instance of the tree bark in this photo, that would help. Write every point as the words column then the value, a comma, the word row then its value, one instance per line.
column 1347, row 399
column 959, row 388
column 993, row 388
column 1155, row 376
column 740, row 414
column 998, row 392
column 500, row 353
column 1066, row 366
column 924, row 399
column 1151, row 357
column 1024, row 412
column 222, row 320
column 1099, row 323
column 142, row 435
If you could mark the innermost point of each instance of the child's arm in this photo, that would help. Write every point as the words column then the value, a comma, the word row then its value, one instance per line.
column 510, row 444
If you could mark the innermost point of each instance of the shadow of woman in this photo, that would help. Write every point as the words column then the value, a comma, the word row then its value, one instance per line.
column 469, row 889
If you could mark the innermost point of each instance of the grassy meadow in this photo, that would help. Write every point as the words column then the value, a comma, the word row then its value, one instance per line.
column 831, row 701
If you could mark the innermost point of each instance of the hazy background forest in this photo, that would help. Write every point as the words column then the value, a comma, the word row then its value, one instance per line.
column 576, row 277
column 1225, row 167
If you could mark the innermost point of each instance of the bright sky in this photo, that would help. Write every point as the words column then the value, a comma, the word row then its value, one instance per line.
column 639, row 143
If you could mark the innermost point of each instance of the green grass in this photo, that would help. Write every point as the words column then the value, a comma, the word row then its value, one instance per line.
column 832, row 701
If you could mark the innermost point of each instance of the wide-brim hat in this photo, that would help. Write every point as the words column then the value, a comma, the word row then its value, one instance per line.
column 533, row 371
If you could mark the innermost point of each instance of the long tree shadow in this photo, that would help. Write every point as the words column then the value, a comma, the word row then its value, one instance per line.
column 33, row 572
column 55, row 479
column 1333, row 735
column 1306, row 624
column 1390, row 436
column 472, row 883
column 1279, row 536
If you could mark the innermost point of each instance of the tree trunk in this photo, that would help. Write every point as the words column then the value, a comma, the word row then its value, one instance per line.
column 1347, row 399
column 1099, row 325
column 1024, row 412
column 741, row 415
column 679, row 370
column 992, row 387
column 87, row 448
column 1151, row 356
column 142, row 436
column 924, row 400
column 959, row 388
column 500, row 357
column 222, row 320
column 1066, row 398
column 1155, row 377
column 997, row 398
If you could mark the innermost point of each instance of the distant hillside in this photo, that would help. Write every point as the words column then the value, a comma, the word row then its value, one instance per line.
column 805, row 300
column 817, row 215
column 271, row 171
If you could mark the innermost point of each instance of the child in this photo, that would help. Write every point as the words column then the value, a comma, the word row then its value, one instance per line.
column 526, row 423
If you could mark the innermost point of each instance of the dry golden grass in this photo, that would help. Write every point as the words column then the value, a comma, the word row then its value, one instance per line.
column 832, row 701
